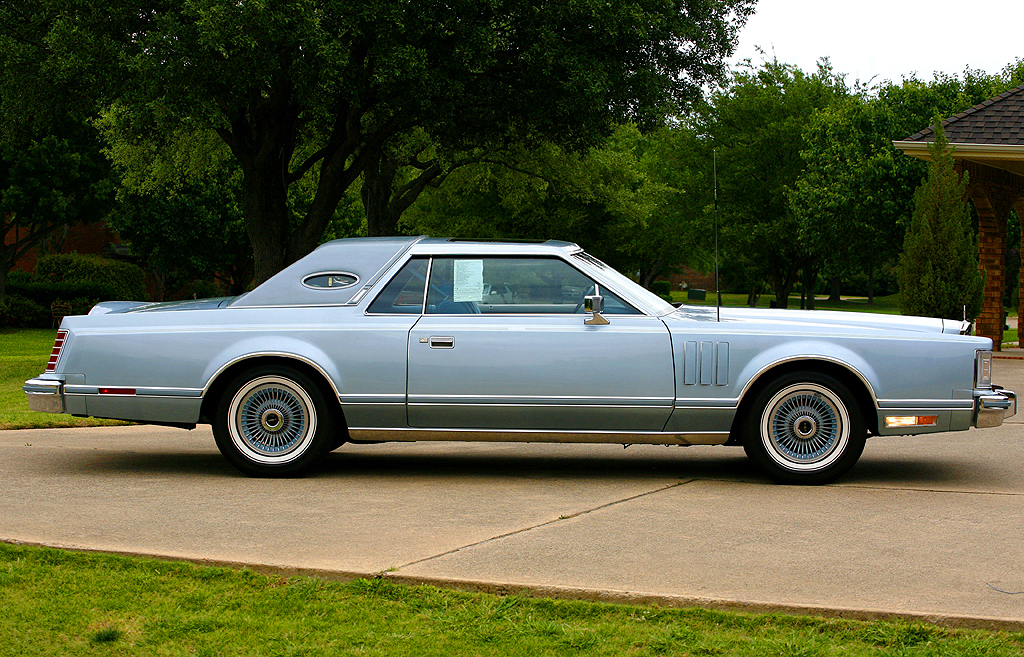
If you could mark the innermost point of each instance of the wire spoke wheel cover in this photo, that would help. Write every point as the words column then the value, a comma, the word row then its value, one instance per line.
column 272, row 420
column 805, row 427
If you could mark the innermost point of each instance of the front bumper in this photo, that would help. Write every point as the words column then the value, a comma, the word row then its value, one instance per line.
column 992, row 406
column 45, row 395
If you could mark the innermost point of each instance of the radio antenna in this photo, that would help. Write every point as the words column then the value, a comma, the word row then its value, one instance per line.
column 718, row 295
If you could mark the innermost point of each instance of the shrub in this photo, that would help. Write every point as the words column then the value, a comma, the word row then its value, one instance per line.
column 123, row 281
column 661, row 288
column 18, row 312
column 44, row 292
column 938, row 270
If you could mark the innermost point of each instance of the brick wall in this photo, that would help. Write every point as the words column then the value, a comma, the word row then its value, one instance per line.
column 80, row 238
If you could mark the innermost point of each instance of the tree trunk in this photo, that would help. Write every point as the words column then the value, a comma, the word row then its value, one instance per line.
column 834, row 292
column 809, row 281
column 752, row 296
column 378, row 188
column 782, row 286
column 266, row 215
column 871, row 283
column 3, row 281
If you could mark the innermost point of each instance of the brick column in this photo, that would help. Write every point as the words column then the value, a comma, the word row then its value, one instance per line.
column 1020, row 275
column 994, row 192
column 991, row 247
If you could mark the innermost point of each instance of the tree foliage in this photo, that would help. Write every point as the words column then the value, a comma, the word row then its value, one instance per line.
column 316, row 88
column 48, row 183
column 757, row 126
column 938, row 272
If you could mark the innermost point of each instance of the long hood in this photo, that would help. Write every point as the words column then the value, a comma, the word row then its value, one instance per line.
column 817, row 320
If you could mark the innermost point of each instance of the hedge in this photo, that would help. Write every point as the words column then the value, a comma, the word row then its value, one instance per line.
column 118, row 280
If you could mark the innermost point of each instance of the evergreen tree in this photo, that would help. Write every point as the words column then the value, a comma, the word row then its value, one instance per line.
column 938, row 271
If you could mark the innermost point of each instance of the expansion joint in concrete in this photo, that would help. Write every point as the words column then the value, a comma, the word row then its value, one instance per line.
column 547, row 523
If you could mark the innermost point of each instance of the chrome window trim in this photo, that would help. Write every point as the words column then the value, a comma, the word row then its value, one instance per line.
column 398, row 267
column 640, row 311
column 554, row 256
column 330, row 273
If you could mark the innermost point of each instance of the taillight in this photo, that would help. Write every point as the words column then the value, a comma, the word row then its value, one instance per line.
column 58, row 344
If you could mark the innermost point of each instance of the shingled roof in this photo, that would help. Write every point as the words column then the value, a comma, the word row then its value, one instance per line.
column 990, row 133
column 998, row 120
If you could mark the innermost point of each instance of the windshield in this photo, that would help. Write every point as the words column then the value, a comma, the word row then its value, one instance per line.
column 625, row 285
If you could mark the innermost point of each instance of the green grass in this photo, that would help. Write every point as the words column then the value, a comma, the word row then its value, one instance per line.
column 71, row 603
column 23, row 355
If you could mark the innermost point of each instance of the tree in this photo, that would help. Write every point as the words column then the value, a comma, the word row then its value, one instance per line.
column 638, row 201
column 316, row 88
column 46, row 184
column 757, row 126
column 938, row 272
column 855, row 190
column 183, row 235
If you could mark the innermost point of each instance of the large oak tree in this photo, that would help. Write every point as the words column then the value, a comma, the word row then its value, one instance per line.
column 302, row 89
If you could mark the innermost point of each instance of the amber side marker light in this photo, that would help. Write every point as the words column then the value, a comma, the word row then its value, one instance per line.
column 894, row 421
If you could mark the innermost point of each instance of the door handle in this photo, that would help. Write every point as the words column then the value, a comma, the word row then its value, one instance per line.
column 439, row 342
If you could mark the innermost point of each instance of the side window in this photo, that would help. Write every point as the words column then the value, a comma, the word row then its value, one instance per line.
column 511, row 285
column 404, row 293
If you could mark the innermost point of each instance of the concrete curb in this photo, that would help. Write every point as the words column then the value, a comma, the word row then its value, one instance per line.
column 584, row 594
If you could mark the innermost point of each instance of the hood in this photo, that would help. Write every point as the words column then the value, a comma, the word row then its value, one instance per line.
column 108, row 307
column 824, row 319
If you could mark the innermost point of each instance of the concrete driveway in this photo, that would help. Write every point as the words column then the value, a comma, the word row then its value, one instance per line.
column 922, row 527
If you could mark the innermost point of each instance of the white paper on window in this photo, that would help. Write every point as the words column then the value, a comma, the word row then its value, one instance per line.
column 469, row 280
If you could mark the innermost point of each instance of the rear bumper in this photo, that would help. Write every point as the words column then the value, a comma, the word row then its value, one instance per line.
column 45, row 395
column 992, row 406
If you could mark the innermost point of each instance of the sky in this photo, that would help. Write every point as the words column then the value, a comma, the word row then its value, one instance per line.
column 887, row 39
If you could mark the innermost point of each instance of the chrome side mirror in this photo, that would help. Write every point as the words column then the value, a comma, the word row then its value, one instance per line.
column 594, row 303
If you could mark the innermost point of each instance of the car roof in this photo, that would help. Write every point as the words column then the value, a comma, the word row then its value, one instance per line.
column 480, row 246
column 367, row 258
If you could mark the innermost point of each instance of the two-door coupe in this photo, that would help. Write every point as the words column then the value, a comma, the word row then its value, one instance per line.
column 403, row 339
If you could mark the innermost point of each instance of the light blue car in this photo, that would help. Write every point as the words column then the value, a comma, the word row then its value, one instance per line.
column 403, row 339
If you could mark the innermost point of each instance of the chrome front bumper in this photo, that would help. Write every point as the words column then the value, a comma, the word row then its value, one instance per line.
column 992, row 406
column 45, row 395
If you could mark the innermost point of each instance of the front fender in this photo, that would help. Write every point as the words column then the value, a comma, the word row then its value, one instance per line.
column 804, row 350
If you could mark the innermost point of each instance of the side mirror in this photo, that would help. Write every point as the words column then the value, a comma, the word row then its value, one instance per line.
column 594, row 303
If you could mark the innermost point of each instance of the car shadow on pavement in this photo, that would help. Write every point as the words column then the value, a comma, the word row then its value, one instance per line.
column 731, row 465
column 919, row 472
column 718, row 465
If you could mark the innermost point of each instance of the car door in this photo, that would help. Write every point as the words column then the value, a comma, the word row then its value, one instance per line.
column 502, row 344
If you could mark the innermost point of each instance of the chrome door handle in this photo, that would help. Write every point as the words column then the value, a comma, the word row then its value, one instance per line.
column 438, row 342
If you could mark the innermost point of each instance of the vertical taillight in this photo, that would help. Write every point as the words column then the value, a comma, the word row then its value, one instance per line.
column 58, row 344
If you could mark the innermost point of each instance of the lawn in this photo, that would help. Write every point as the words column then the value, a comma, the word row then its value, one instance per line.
column 23, row 355
column 59, row 602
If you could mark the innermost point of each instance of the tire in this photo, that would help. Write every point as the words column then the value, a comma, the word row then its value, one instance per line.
column 273, row 422
column 804, row 428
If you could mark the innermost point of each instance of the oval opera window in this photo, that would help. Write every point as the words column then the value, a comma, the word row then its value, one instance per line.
column 330, row 280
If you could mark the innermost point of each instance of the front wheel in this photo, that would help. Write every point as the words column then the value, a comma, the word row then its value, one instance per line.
column 273, row 422
column 804, row 428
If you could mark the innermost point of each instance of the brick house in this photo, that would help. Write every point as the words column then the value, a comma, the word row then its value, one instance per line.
column 988, row 143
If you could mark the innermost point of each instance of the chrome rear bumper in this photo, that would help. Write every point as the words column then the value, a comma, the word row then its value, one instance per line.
column 992, row 406
column 45, row 395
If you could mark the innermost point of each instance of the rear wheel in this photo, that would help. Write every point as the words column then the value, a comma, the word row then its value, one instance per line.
column 805, row 428
column 273, row 422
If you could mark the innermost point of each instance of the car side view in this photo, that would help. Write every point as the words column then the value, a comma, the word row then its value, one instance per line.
column 406, row 339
